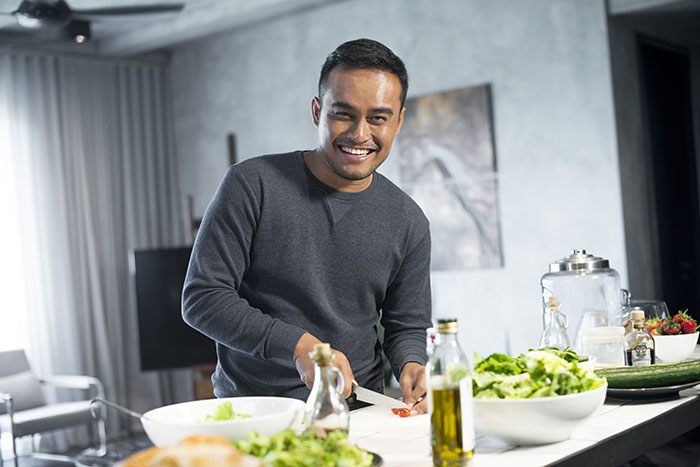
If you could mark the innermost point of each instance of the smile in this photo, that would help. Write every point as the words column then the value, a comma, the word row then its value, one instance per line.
column 356, row 153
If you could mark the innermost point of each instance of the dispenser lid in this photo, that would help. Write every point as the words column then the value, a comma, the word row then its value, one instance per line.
column 579, row 260
column 447, row 326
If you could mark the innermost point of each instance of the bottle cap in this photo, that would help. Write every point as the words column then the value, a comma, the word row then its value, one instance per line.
column 322, row 353
column 636, row 315
column 447, row 326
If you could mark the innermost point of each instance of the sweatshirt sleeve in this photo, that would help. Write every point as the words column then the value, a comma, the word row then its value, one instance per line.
column 406, row 312
column 220, row 257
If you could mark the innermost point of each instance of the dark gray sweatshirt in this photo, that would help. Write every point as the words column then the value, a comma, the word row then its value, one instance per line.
column 279, row 253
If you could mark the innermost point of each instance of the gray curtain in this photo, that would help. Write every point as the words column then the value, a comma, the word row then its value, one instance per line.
column 91, row 146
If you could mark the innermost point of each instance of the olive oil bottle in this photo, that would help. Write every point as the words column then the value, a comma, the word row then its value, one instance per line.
column 450, row 400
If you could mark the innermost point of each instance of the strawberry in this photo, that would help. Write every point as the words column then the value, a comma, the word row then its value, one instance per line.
column 688, row 324
column 688, row 327
column 678, row 318
column 668, row 326
column 651, row 324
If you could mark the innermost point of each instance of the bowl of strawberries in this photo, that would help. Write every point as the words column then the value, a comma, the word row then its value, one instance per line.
column 675, row 337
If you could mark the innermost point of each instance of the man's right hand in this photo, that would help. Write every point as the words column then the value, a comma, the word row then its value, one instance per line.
column 305, row 366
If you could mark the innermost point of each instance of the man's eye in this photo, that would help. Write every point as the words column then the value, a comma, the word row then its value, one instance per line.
column 378, row 119
column 342, row 115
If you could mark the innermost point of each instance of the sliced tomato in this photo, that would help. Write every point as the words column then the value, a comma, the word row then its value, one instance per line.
column 402, row 412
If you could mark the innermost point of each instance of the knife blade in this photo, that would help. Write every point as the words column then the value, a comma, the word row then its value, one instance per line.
column 376, row 398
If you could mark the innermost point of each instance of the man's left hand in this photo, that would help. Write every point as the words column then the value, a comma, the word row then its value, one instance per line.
column 412, row 382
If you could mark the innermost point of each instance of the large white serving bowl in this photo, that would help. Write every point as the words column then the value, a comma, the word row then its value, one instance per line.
column 167, row 426
column 536, row 421
column 674, row 348
column 589, row 364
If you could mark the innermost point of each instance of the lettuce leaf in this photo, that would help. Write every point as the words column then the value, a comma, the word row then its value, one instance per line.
column 537, row 373
column 224, row 412
column 288, row 448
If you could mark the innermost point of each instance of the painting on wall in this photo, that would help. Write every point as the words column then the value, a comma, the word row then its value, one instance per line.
column 448, row 166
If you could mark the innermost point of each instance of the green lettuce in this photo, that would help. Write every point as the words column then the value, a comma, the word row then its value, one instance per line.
column 537, row 373
column 225, row 412
column 288, row 448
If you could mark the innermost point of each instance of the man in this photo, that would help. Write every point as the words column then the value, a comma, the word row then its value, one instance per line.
column 311, row 246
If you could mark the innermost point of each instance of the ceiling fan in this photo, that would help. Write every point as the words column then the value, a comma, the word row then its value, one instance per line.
column 55, row 16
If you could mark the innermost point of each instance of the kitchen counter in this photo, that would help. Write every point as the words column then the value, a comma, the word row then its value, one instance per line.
column 618, row 432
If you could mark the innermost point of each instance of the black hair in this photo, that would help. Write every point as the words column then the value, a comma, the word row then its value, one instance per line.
column 364, row 54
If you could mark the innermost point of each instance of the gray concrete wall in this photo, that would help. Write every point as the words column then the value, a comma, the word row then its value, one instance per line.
column 548, row 65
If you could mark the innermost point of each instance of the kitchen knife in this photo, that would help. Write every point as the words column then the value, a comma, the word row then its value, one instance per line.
column 376, row 398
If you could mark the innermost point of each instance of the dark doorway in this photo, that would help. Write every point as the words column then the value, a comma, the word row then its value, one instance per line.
column 665, row 71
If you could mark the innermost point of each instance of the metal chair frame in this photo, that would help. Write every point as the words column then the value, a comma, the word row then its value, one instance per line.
column 86, row 383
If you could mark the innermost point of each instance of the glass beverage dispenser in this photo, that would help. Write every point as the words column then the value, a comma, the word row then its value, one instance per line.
column 588, row 292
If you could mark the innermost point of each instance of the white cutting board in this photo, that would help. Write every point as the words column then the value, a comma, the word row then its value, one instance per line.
column 399, row 441
column 375, row 419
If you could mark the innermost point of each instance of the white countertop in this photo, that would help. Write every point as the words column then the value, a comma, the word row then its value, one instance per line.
column 406, row 441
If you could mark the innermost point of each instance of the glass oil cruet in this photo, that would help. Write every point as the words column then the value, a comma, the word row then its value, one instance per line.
column 554, row 334
column 326, row 410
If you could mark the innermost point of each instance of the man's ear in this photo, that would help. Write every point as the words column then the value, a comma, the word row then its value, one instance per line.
column 316, row 110
column 398, row 129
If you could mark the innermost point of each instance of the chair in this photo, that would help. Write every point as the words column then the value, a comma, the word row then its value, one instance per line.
column 23, row 407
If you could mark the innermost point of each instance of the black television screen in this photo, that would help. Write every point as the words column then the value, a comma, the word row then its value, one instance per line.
column 166, row 341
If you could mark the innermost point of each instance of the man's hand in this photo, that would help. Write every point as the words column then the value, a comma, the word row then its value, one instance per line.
column 412, row 382
column 305, row 366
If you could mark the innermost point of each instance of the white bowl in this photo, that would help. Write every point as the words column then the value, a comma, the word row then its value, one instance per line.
column 167, row 426
column 673, row 348
column 535, row 421
column 589, row 364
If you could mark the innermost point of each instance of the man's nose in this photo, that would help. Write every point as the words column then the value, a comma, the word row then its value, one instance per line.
column 360, row 132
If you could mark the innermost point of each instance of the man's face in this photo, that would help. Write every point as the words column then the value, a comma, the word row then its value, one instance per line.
column 357, row 121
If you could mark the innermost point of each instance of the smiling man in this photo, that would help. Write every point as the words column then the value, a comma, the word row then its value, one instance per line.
column 361, row 113
column 316, row 246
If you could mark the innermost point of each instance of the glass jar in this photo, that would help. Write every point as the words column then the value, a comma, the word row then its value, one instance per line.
column 588, row 291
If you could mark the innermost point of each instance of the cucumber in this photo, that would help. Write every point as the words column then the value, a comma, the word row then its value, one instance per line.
column 652, row 376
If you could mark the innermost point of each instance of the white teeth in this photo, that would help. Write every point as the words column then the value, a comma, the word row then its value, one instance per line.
column 356, row 152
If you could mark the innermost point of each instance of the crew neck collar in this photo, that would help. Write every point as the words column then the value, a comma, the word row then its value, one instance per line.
column 332, row 191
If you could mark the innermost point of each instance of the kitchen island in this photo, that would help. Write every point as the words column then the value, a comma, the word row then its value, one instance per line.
column 619, row 431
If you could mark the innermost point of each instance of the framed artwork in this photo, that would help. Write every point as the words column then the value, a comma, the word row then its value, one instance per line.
column 231, row 144
column 448, row 166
